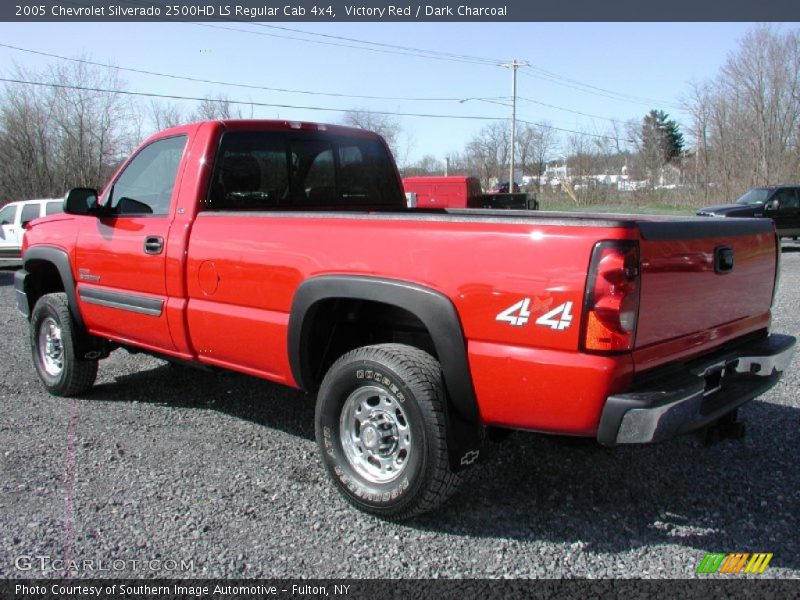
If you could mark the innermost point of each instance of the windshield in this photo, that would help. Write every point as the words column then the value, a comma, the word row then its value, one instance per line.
column 756, row 196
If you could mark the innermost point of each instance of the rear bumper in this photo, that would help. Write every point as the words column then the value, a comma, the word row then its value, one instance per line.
column 666, row 406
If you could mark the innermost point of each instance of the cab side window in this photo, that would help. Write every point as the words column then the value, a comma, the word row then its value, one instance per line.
column 7, row 215
column 145, row 186
column 29, row 213
column 53, row 208
column 787, row 198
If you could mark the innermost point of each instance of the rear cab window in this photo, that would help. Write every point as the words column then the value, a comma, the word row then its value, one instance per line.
column 301, row 171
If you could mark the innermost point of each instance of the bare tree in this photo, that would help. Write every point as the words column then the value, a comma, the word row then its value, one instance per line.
column 545, row 142
column 427, row 165
column 746, row 120
column 525, row 151
column 165, row 115
column 698, row 104
column 488, row 152
column 765, row 76
column 387, row 126
column 26, row 149
column 212, row 108
column 59, row 136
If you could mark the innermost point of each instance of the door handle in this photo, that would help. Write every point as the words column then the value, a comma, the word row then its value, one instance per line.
column 153, row 244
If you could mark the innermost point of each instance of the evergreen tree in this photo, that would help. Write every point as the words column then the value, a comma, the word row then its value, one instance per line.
column 661, row 141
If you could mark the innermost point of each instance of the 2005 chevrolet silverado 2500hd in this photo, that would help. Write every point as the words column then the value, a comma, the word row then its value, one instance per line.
column 285, row 251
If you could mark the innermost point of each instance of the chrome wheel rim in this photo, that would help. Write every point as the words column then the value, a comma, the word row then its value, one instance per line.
column 375, row 434
column 51, row 347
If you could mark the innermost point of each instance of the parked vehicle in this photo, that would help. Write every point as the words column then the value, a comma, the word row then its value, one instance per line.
column 14, row 216
column 286, row 251
column 781, row 203
column 458, row 191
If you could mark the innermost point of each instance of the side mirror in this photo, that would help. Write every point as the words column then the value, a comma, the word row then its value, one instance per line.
column 772, row 205
column 129, row 206
column 80, row 201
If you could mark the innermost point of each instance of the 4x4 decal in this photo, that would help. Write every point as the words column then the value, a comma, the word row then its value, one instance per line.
column 522, row 316
column 559, row 318
column 518, row 314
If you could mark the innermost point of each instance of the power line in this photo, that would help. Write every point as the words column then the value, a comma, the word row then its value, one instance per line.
column 417, row 53
column 494, row 100
column 297, row 107
column 552, row 75
column 490, row 61
column 424, row 53
column 595, row 90
column 288, row 90
column 438, row 55
column 586, row 133
column 386, row 48
column 242, row 102
column 577, row 112
column 421, row 53
column 231, row 84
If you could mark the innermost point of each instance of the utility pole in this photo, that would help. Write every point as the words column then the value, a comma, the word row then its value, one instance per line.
column 513, row 65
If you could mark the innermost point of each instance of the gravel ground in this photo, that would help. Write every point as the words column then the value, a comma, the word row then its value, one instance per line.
column 220, row 472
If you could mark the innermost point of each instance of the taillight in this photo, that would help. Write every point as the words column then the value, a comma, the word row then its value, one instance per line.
column 611, row 305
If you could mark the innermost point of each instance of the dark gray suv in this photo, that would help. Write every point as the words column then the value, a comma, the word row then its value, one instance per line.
column 781, row 203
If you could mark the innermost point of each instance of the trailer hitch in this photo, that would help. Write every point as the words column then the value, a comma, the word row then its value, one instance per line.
column 726, row 427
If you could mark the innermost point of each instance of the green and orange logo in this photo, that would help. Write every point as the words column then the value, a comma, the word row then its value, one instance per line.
column 734, row 563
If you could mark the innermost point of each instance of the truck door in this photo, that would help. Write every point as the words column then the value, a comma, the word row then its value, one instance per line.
column 120, row 257
column 9, row 240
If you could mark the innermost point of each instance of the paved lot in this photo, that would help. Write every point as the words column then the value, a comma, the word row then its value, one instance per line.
column 174, row 472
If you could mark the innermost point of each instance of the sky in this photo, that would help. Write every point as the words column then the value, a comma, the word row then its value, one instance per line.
column 616, row 71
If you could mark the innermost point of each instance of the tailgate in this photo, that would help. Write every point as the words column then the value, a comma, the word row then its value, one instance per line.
column 704, row 282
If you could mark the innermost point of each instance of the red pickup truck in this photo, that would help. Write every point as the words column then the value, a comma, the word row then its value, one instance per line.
column 286, row 251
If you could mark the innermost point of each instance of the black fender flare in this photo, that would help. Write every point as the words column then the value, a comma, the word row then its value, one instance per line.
column 434, row 309
column 437, row 313
column 60, row 260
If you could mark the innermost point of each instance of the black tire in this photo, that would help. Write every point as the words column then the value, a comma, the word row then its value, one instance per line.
column 386, row 382
column 53, row 345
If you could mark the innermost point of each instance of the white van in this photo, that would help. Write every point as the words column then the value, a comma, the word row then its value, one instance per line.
column 15, row 215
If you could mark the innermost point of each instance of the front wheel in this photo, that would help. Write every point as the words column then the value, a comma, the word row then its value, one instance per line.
column 53, row 344
column 380, row 426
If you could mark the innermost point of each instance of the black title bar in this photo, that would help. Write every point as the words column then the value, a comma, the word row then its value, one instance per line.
column 383, row 11
column 734, row 588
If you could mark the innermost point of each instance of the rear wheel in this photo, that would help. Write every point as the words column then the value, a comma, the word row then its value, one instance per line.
column 380, row 426
column 53, row 345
